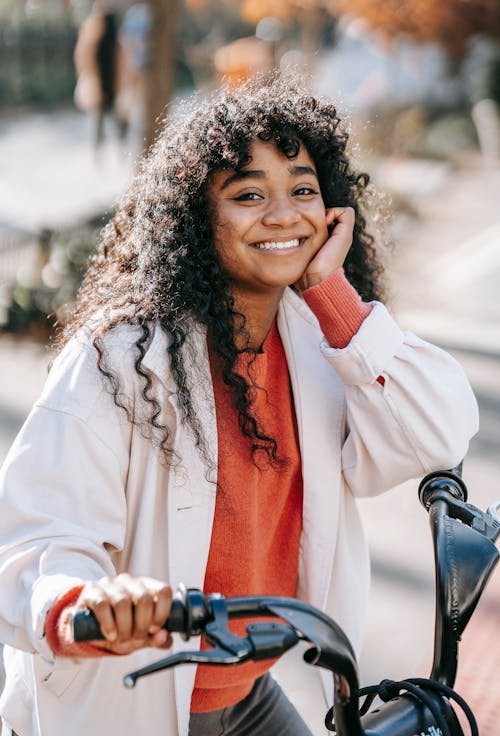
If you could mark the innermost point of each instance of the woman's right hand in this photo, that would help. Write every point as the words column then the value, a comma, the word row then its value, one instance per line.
column 131, row 612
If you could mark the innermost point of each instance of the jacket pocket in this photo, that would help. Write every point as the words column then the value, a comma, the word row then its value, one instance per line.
column 58, row 677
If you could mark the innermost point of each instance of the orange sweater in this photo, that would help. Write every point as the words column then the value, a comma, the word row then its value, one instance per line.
column 258, row 514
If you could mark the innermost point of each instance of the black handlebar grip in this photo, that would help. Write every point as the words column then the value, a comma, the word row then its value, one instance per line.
column 176, row 621
column 86, row 626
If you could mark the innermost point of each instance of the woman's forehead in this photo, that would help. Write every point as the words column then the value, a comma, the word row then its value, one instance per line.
column 264, row 160
column 262, row 154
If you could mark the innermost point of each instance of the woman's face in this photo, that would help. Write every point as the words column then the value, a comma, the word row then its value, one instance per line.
column 269, row 219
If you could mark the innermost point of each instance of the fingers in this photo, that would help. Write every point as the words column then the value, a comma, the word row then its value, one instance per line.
column 100, row 598
column 130, row 610
column 332, row 253
column 344, row 216
column 331, row 215
column 340, row 239
column 152, row 602
column 162, row 596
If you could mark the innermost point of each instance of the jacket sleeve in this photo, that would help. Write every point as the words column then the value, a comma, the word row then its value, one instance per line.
column 410, row 408
column 62, row 497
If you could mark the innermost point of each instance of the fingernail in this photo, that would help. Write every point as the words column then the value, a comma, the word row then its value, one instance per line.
column 111, row 636
column 161, row 637
column 154, row 628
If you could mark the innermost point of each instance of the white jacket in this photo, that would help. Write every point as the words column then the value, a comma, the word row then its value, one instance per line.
column 84, row 494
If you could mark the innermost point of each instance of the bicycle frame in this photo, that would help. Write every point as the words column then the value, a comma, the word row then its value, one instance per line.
column 465, row 556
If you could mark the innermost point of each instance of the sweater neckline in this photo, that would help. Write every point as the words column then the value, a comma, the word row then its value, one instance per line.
column 271, row 348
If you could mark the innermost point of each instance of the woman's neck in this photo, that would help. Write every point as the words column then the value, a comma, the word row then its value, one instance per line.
column 260, row 312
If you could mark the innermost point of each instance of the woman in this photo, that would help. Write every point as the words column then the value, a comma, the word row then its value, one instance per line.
column 222, row 395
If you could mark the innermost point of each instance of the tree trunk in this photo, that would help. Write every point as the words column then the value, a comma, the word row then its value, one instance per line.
column 160, row 78
column 312, row 23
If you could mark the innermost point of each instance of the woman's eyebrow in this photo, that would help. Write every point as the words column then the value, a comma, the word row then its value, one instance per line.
column 241, row 175
column 301, row 170
column 294, row 170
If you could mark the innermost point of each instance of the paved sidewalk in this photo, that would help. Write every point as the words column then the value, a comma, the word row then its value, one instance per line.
column 478, row 679
column 66, row 181
column 446, row 265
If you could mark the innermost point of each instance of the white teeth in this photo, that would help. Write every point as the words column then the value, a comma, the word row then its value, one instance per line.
column 278, row 246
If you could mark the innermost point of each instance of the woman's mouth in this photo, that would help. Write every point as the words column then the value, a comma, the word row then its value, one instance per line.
column 278, row 245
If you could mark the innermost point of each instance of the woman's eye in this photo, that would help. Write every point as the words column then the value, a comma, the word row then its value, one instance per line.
column 247, row 197
column 303, row 191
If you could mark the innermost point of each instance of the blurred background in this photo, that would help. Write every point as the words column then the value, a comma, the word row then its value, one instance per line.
column 83, row 87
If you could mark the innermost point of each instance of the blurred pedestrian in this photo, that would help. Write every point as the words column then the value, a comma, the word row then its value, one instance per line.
column 100, row 72
column 228, row 384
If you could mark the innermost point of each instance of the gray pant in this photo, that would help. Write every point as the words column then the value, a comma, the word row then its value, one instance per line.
column 266, row 710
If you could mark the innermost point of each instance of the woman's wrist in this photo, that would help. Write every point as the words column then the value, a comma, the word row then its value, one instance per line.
column 338, row 307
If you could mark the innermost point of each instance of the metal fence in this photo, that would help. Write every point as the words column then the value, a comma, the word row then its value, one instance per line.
column 36, row 64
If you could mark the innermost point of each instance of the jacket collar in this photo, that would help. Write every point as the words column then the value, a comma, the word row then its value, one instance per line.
column 292, row 301
column 157, row 359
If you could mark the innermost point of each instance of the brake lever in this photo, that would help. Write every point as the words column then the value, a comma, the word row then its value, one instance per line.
column 209, row 656
column 484, row 522
column 264, row 641
column 217, row 632
column 493, row 512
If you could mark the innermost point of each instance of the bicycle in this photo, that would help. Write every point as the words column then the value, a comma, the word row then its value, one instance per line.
column 465, row 556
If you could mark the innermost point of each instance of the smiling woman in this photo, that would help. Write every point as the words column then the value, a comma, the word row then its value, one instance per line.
column 228, row 383
column 270, row 226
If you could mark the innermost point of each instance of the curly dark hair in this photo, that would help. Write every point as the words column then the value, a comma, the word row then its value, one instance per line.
column 157, row 263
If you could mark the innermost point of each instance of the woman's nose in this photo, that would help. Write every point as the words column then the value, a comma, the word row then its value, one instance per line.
column 280, row 212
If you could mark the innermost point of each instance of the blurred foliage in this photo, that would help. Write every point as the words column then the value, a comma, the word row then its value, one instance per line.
column 37, row 37
column 37, row 40
column 492, row 79
column 36, row 64
column 448, row 136
column 416, row 131
column 252, row 11
column 44, row 290
column 450, row 23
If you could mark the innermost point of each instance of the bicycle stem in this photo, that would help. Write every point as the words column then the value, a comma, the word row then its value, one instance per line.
column 464, row 555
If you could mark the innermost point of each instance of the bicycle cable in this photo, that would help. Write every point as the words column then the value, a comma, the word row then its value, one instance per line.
column 417, row 686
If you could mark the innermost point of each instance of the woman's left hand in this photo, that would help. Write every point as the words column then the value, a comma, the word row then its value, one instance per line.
column 333, row 252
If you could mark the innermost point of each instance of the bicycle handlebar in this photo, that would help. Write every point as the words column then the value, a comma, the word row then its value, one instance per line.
column 465, row 556
column 194, row 613
column 86, row 627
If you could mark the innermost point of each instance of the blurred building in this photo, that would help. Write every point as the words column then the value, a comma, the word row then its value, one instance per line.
column 361, row 72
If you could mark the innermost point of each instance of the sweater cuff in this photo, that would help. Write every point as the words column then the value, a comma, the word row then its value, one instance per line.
column 58, row 629
column 338, row 307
